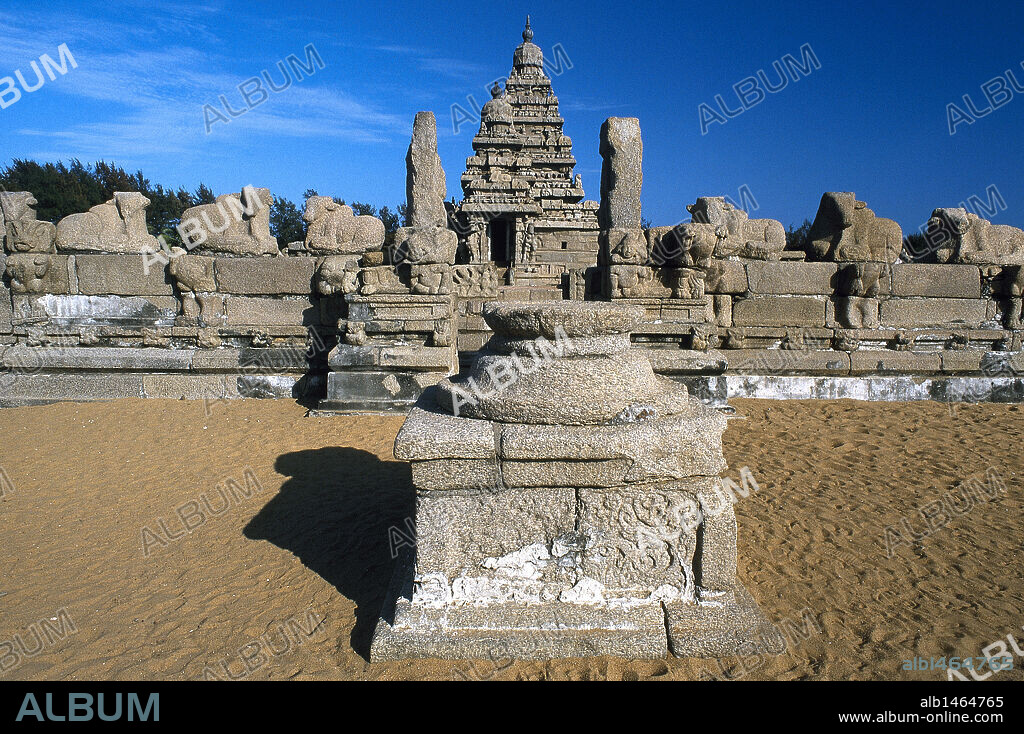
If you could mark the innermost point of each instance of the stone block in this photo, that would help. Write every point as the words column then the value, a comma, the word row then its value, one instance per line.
column 111, row 359
column 375, row 390
column 246, row 310
column 457, row 531
column 911, row 312
column 190, row 387
column 962, row 360
column 122, row 275
column 936, row 280
column 726, row 276
column 791, row 278
column 429, row 433
column 6, row 310
column 722, row 306
column 126, row 311
column 265, row 275
column 27, row 389
column 395, row 356
column 779, row 311
column 438, row 474
column 672, row 448
column 788, row 361
column 607, row 473
column 869, row 361
column 686, row 361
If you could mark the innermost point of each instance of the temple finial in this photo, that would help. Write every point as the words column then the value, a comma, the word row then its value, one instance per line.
column 527, row 32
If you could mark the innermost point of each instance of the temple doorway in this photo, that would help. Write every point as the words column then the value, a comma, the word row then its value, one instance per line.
column 501, row 235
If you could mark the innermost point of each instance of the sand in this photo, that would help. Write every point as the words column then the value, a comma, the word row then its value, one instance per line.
column 290, row 572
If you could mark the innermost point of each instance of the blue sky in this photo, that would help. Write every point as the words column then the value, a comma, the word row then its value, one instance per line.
column 872, row 119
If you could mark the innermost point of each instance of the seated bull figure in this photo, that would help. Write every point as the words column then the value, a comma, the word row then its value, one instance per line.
column 118, row 225
column 334, row 230
column 19, row 228
column 845, row 230
column 238, row 224
column 960, row 236
column 739, row 236
column 697, row 242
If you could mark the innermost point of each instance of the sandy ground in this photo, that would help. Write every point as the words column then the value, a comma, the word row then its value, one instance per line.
column 283, row 577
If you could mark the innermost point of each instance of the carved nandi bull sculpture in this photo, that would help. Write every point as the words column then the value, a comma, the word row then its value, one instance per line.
column 845, row 230
column 960, row 236
column 118, row 225
column 334, row 230
column 238, row 224
column 736, row 234
column 19, row 228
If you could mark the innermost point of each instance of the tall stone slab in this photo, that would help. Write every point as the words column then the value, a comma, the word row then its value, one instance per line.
column 621, row 173
column 424, row 184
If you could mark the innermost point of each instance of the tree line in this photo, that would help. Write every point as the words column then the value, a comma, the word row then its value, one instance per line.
column 68, row 189
column 62, row 189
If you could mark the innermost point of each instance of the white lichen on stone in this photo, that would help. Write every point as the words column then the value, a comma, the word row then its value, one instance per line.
column 525, row 563
column 586, row 591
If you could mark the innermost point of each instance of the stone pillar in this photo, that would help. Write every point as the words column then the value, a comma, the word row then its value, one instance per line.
column 400, row 332
column 568, row 504
column 671, row 295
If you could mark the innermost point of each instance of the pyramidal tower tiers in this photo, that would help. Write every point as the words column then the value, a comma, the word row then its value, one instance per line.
column 523, row 208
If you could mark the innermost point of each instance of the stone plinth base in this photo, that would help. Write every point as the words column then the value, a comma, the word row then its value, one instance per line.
column 378, row 391
column 729, row 625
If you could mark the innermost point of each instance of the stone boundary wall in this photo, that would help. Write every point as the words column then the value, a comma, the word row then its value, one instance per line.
column 97, row 325
column 100, row 326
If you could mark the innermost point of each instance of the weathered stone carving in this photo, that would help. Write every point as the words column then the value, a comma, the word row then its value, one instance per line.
column 381, row 279
column 862, row 279
column 20, row 229
column 32, row 273
column 638, row 281
column 960, row 236
column 118, row 225
column 337, row 274
column 845, row 230
column 425, row 245
column 334, row 230
column 431, row 280
column 699, row 242
column 566, row 493
column 625, row 246
column 191, row 273
column 736, row 234
column 237, row 224
column 425, row 238
column 475, row 280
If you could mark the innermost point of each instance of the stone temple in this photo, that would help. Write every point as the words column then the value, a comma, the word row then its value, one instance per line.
column 564, row 364
column 523, row 208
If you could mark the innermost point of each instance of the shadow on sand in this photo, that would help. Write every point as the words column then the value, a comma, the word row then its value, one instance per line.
column 334, row 514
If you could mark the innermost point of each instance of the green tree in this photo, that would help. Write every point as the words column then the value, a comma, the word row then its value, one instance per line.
column 796, row 239
column 286, row 223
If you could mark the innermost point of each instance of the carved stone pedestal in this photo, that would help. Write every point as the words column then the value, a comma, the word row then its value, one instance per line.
column 568, row 504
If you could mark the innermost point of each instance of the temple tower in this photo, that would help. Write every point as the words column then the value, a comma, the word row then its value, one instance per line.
column 523, row 208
